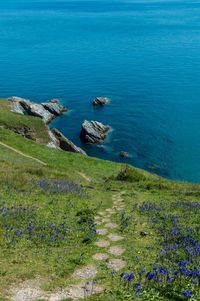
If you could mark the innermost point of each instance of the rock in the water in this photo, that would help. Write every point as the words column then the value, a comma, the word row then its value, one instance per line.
column 54, row 107
column 93, row 131
column 33, row 109
column 100, row 101
column 65, row 144
column 124, row 154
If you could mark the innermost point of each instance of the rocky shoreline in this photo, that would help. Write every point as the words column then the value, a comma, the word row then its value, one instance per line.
column 47, row 111
column 92, row 132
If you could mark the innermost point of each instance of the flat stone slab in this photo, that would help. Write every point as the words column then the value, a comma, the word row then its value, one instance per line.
column 111, row 225
column 120, row 209
column 101, row 213
column 101, row 231
column 115, row 237
column 29, row 290
column 102, row 243
column 116, row 264
column 77, row 291
column 108, row 216
column 88, row 272
column 28, row 294
column 115, row 250
column 105, row 220
column 100, row 256
column 98, row 222
column 110, row 210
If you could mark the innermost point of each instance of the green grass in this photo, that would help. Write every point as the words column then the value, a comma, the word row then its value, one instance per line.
column 34, row 127
column 48, row 233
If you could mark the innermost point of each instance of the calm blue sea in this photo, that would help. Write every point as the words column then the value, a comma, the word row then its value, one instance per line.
column 143, row 54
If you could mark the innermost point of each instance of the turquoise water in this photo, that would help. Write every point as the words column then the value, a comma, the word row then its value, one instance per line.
column 144, row 55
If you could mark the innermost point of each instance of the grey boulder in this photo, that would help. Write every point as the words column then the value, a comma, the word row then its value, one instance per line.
column 100, row 101
column 93, row 131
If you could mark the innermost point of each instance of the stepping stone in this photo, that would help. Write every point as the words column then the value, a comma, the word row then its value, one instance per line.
column 110, row 211
column 101, row 213
column 101, row 231
column 108, row 216
column 29, row 290
column 28, row 294
column 76, row 291
column 88, row 272
column 120, row 208
column 97, row 218
column 111, row 225
column 117, row 203
column 115, row 237
column 116, row 264
column 117, row 251
column 102, row 243
column 105, row 220
column 98, row 222
column 100, row 256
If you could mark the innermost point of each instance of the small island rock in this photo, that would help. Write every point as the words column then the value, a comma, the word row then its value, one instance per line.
column 100, row 101
column 124, row 154
column 93, row 132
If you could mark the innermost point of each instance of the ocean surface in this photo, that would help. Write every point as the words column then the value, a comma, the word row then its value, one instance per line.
column 143, row 54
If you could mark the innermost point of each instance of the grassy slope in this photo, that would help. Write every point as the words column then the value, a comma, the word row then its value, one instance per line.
column 41, row 233
column 36, row 129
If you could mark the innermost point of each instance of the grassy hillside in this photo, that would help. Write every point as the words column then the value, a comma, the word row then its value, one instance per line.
column 31, row 127
column 50, row 211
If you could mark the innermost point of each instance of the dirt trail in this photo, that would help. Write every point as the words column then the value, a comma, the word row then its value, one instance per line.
column 22, row 154
column 84, row 176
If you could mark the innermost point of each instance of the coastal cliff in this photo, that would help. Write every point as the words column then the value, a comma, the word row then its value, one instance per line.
column 76, row 227
column 31, row 120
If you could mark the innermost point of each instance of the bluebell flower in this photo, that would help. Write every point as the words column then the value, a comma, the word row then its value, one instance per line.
column 137, row 287
column 187, row 293
column 150, row 275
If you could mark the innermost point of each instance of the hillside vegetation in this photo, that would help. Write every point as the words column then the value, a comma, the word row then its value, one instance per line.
column 56, row 208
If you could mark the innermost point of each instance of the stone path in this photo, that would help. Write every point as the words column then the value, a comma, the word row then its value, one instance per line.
column 86, row 275
column 115, row 264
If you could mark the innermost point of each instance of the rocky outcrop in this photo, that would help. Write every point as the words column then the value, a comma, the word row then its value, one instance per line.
column 100, row 101
column 65, row 144
column 17, row 108
column 93, row 131
column 54, row 143
column 46, row 111
column 54, row 107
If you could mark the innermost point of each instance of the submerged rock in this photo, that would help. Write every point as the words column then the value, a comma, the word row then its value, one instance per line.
column 93, row 131
column 100, row 101
column 65, row 144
